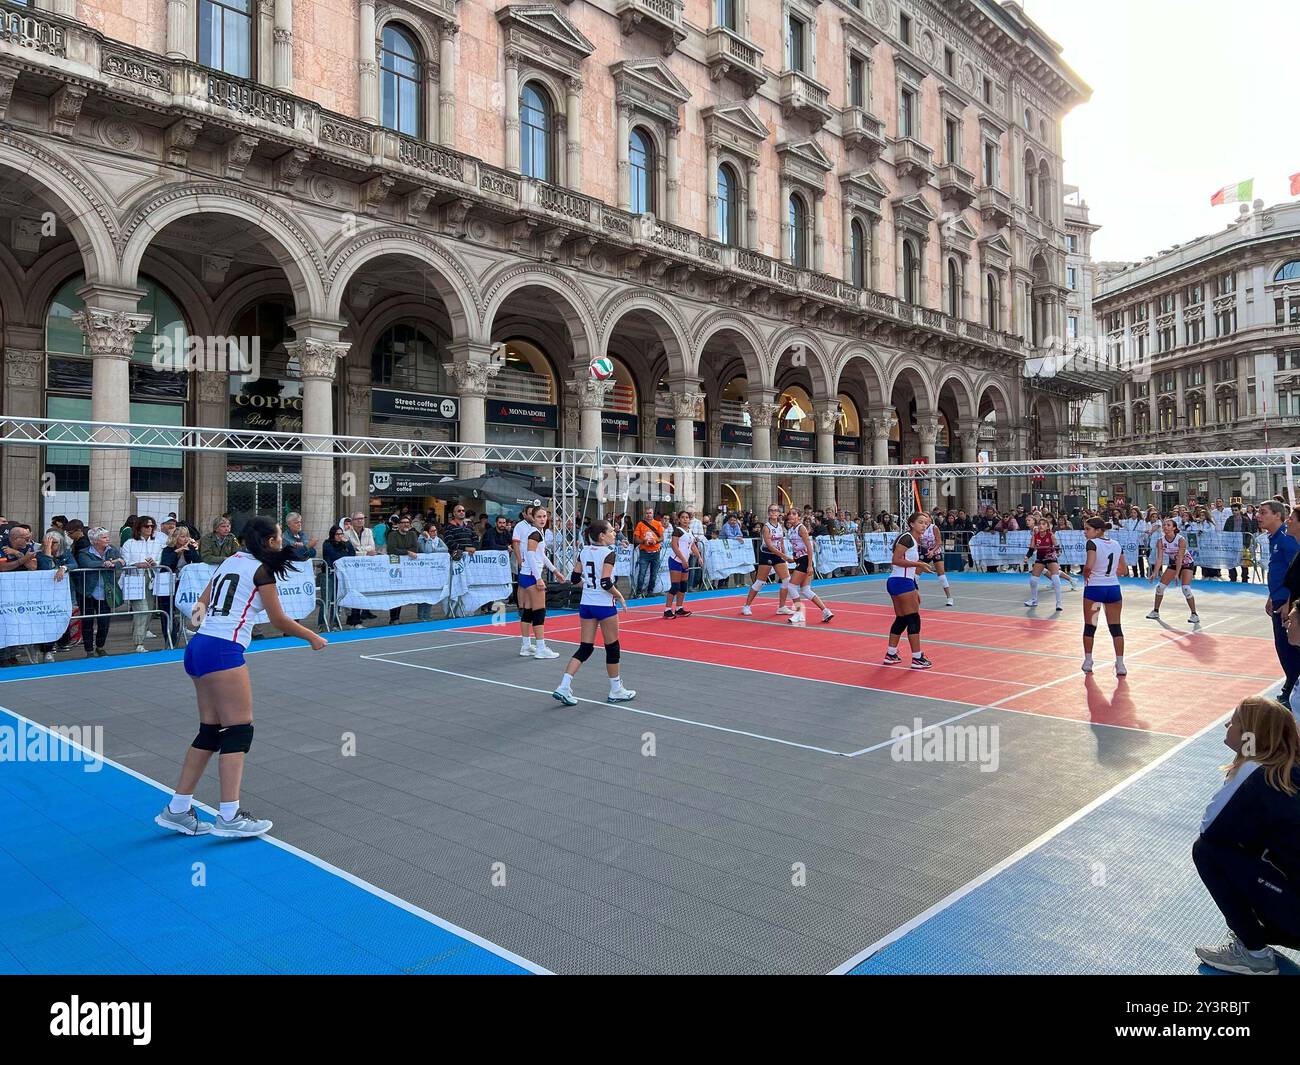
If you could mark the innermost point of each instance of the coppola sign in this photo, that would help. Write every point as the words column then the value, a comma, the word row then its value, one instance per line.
column 257, row 410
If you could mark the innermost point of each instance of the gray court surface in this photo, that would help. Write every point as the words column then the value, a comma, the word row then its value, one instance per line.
column 597, row 840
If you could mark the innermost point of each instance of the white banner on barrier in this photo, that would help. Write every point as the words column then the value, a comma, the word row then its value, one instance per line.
column 481, row 578
column 836, row 552
column 878, row 547
column 297, row 590
column 34, row 607
column 726, row 558
column 1214, row 550
column 376, row 582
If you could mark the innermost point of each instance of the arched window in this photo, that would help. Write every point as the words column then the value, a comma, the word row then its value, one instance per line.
column 728, row 193
column 535, row 150
column 994, row 306
column 409, row 357
column 1044, row 192
column 1288, row 271
column 911, row 273
column 399, row 81
column 858, row 252
column 1030, row 200
column 164, row 338
column 954, row 289
column 798, row 232
column 226, row 36
column 640, row 152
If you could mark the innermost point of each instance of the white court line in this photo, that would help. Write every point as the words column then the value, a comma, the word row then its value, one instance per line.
column 441, row 646
column 607, row 705
column 320, row 863
column 1033, row 845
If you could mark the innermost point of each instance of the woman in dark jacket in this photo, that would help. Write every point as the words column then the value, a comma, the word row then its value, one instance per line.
column 336, row 547
column 181, row 550
column 100, row 593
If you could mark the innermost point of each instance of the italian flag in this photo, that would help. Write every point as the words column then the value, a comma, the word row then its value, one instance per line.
column 1295, row 184
column 1238, row 193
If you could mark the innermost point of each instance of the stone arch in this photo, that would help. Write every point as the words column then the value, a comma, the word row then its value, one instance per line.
column 451, row 278
column 572, row 303
column 917, row 376
column 249, row 289
column 999, row 402
column 190, row 296
column 818, row 362
column 751, row 346
column 857, row 362
column 46, row 276
column 663, row 317
column 961, row 393
column 297, row 254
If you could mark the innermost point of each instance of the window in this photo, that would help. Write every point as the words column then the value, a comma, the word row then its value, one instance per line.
column 399, row 81
column 954, row 289
column 1165, row 303
column 1030, row 202
column 728, row 192
column 226, row 36
column 725, row 13
column 1288, row 360
column 1225, row 369
column 1225, row 284
column 1288, row 271
column 794, row 41
column 858, row 252
column 1029, row 120
column 1195, row 330
column 1225, row 321
column 406, row 357
column 950, row 62
column 1287, row 311
column 952, row 139
column 1071, row 278
column 535, row 133
column 994, row 320
column 1072, row 327
column 1225, row 406
column 1195, row 376
column 1195, row 412
column 906, row 113
column 641, row 156
column 905, row 29
column 990, row 163
column 1194, row 294
column 988, row 90
column 798, row 232
column 1165, row 338
column 911, row 273
column 1072, row 244
column 1140, row 312
column 857, row 82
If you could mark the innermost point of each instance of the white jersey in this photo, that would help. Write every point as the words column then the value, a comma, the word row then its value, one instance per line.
column 522, row 531
column 685, row 541
column 234, row 600
column 797, row 541
column 913, row 555
column 1103, row 558
column 929, row 541
column 776, row 537
column 591, row 562
column 1170, row 548
column 533, row 554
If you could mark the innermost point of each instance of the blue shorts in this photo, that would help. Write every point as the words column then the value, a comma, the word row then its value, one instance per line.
column 526, row 581
column 676, row 567
column 1106, row 593
column 596, row 613
column 901, row 585
column 208, row 654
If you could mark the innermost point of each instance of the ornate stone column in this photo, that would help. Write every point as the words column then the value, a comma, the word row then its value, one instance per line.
column 356, row 422
column 573, row 146
column 824, row 495
column 472, row 369
column 512, row 111
column 24, row 359
column 624, row 157
column 673, row 181
column 968, row 441
column 927, row 430
column 762, row 409
column 318, row 351
column 882, row 497
column 751, row 207
column 447, row 83
column 591, row 395
column 367, row 67
column 282, row 77
column 213, row 394
column 180, row 30
column 712, row 185
column 264, row 71
column 685, row 399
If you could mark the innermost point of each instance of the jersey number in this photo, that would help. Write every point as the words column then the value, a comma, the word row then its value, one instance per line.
column 591, row 575
column 1110, row 563
column 223, row 595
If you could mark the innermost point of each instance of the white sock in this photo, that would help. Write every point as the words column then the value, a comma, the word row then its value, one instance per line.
column 229, row 809
column 918, row 654
column 566, row 682
column 892, row 651
column 1033, row 587
column 615, row 683
column 943, row 580
column 1087, row 659
column 528, row 641
column 1119, row 660
column 541, row 644
column 1056, row 587
column 180, row 803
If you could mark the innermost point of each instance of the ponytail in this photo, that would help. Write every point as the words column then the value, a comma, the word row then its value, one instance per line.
column 256, row 536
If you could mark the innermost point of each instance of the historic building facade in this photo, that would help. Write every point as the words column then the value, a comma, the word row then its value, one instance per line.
column 822, row 230
column 1208, row 334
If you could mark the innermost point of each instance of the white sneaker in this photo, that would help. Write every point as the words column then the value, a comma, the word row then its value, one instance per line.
column 527, row 651
column 827, row 615
column 746, row 611
column 1031, row 602
column 784, row 610
column 1121, row 670
column 150, row 636
column 949, row 602
column 242, row 826
column 139, row 648
column 566, row 697
column 358, row 626
column 1194, row 619
column 1087, row 665
column 545, row 652
column 1154, row 615
column 621, row 695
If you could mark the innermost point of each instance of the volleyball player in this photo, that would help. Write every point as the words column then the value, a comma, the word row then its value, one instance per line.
column 1104, row 567
column 771, row 556
column 932, row 554
column 682, row 545
column 1046, row 552
column 532, row 585
column 906, row 593
column 520, row 546
column 214, row 658
column 801, row 546
column 598, row 609
column 1179, row 564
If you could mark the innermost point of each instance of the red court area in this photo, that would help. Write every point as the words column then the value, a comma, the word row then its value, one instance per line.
column 1178, row 682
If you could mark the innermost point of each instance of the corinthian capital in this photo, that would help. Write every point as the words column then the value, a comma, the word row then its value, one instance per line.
column 111, row 334
column 317, row 358
column 828, row 419
column 590, row 392
column 686, row 403
column 761, row 414
column 472, row 377
column 927, row 428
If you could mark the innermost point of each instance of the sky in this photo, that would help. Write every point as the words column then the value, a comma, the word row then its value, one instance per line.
column 1188, row 96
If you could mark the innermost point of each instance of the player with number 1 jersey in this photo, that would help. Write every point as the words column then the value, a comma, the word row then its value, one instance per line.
column 593, row 570
column 1104, row 567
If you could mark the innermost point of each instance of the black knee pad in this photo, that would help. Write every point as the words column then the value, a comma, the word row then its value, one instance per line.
column 612, row 652
column 236, row 739
column 1090, row 631
column 913, row 623
column 525, row 615
column 539, row 616
column 208, row 739
column 584, row 651
column 1117, row 631
column 899, row 626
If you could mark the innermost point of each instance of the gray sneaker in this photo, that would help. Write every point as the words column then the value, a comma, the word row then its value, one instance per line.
column 187, row 824
column 1232, row 957
column 243, row 826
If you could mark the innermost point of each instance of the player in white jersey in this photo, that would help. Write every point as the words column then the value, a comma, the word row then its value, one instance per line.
column 906, row 593
column 772, row 555
column 801, row 546
column 932, row 552
column 524, row 581
column 598, row 609
column 214, row 658
column 1104, row 566
column 533, row 565
column 1173, row 560
column 682, row 546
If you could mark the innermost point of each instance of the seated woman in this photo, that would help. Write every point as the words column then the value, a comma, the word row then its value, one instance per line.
column 1248, row 853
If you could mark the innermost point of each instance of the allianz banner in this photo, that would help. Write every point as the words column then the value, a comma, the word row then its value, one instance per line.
column 376, row 582
column 836, row 552
column 478, row 579
column 34, row 607
column 727, row 558
column 297, row 590
column 878, row 547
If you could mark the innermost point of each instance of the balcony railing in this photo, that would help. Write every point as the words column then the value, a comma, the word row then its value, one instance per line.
column 728, row 55
column 801, row 97
column 957, row 184
column 32, row 29
column 913, row 159
column 864, row 132
column 431, row 158
column 660, row 19
column 995, row 206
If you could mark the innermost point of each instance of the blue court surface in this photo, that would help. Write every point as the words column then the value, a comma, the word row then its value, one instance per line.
column 1074, row 858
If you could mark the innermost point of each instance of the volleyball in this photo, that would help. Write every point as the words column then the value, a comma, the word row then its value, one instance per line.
column 602, row 369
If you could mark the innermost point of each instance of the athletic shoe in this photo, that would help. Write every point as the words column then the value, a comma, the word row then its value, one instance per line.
column 826, row 616
column 139, row 648
column 1121, row 670
column 784, row 610
column 891, row 659
column 358, row 626
column 669, row 614
column 150, row 636
column 49, row 656
column 526, row 651
column 621, row 695
column 746, row 611
column 1233, row 957
column 683, row 613
column 949, row 602
column 565, row 697
column 1194, row 619
column 100, row 653
column 545, row 652
column 243, row 826
column 1087, row 665
column 921, row 663
column 1154, row 616
column 1031, row 602
column 1059, row 608
column 187, row 824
